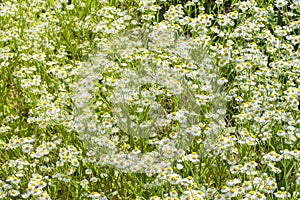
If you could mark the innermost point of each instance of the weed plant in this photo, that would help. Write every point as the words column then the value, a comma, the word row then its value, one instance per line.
column 149, row 99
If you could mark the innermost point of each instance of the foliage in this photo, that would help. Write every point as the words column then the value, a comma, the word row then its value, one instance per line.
column 149, row 99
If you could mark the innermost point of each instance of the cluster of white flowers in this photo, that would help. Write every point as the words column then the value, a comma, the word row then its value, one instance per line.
column 149, row 99
column 139, row 89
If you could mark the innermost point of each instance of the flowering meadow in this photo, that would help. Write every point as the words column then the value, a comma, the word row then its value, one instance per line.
column 149, row 99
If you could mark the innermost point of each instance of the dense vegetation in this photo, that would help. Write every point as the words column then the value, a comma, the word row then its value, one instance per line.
column 149, row 99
